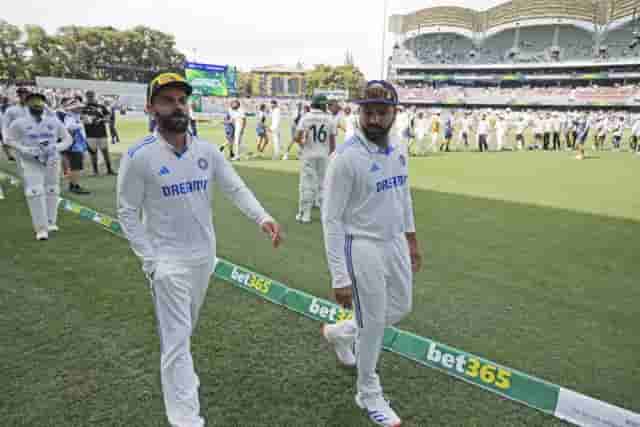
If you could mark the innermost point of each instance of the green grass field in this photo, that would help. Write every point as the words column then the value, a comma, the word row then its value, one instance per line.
column 531, row 261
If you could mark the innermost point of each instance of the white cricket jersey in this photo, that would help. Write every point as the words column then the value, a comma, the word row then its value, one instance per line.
column 172, row 191
column 318, row 127
column 29, row 135
column 350, row 125
column 483, row 127
column 466, row 125
column 237, row 116
column 402, row 123
column 275, row 119
column 635, row 129
column 366, row 195
column 12, row 113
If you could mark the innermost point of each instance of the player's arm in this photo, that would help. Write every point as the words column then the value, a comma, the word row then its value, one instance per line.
column 130, row 197
column 235, row 189
column 15, row 136
column 338, row 189
column 332, row 139
column 64, row 138
column 410, row 231
column 300, row 133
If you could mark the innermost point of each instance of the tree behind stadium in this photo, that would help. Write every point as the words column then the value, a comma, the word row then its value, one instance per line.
column 86, row 53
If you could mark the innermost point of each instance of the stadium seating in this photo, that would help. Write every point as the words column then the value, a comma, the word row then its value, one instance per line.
column 442, row 48
column 576, row 43
column 618, row 41
column 494, row 32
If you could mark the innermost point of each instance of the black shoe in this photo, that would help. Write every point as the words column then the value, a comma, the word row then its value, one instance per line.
column 112, row 173
column 76, row 189
column 11, row 159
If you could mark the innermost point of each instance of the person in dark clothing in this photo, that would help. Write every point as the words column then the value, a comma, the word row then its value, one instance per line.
column 96, row 118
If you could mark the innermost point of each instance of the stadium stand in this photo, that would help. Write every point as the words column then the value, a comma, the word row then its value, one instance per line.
column 443, row 48
column 520, row 31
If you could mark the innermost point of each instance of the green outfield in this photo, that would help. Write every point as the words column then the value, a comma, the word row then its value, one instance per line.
column 531, row 261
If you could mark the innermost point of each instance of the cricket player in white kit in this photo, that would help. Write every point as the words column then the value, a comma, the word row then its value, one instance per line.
column 316, row 134
column 165, row 179
column 275, row 128
column 12, row 113
column 371, row 242
column 38, row 137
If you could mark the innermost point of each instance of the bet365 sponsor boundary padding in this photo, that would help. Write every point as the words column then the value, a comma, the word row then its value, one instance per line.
column 536, row 393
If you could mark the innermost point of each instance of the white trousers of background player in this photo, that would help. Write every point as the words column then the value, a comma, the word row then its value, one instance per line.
column 275, row 140
column 179, row 291
column 237, row 143
column 421, row 147
column 500, row 135
column 382, row 295
column 434, row 141
column 42, row 190
column 312, row 172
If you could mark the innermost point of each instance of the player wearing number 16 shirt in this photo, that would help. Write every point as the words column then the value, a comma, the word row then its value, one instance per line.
column 316, row 134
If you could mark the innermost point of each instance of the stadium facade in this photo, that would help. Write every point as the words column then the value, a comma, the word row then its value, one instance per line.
column 532, row 43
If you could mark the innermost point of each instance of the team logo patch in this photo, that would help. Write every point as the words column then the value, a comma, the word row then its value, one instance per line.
column 50, row 127
column 202, row 163
column 164, row 171
column 403, row 161
column 374, row 168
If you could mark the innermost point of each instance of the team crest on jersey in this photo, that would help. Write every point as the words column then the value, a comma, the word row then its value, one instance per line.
column 50, row 127
column 202, row 163
column 403, row 161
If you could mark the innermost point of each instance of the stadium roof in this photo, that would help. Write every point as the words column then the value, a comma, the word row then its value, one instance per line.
column 598, row 12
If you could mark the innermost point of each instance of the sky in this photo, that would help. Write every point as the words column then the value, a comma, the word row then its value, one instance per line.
column 245, row 33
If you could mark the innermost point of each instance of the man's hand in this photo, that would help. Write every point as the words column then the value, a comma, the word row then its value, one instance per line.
column 414, row 252
column 272, row 228
column 344, row 296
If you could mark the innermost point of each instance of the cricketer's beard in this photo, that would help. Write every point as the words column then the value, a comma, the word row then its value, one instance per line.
column 176, row 122
column 376, row 134
column 36, row 111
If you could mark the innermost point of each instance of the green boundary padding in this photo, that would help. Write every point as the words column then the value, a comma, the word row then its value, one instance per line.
column 481, row 372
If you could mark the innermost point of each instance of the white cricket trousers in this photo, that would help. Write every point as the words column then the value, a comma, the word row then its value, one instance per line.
column 421, row 146
column 275, row 139
column 42, row 190
column 382, row 295
column 312, row 172
column 178, row 292
column 237, row 143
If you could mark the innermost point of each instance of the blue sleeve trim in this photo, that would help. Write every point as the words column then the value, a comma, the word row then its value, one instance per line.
column 148, row 140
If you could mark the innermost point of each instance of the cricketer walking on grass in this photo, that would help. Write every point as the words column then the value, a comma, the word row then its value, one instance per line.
column 371, row 242
column 166, row 179
column 38, row 137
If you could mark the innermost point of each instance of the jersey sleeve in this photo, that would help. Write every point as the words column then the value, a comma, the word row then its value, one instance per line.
column 236, row 190
column 130, row 197
column 338, row 186
column 333, row 127
column 64, row 137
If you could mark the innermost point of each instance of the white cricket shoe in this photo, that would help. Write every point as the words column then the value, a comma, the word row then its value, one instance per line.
column 42, row 235
column 343, row 346
column 378, row 409
column 303, row 218
column 53, row 228
column 286, row 156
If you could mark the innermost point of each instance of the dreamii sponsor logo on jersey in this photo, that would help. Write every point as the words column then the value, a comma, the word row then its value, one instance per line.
column 391, row 183
column 197, row 185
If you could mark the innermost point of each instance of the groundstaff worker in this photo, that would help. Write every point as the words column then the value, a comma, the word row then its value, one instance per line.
column 166, row 179
column 370, row 241
column 38, row 137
